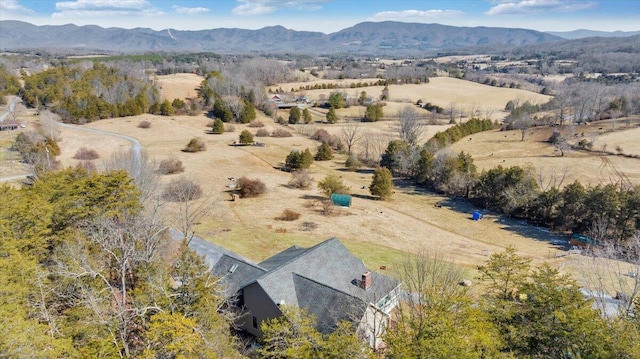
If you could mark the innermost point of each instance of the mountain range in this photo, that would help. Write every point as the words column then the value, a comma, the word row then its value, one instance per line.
column 582, row 33
column 371, row 38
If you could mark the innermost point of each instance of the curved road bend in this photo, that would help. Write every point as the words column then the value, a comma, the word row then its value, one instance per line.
column 136, row 148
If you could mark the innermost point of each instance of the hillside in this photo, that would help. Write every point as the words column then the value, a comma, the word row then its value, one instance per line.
column 375, row 38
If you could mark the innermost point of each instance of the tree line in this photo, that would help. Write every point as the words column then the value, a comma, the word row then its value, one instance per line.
column 610, row 213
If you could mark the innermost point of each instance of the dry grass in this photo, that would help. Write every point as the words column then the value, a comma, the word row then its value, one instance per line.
column 490, row 149
column 178, row 86
column 379, row 232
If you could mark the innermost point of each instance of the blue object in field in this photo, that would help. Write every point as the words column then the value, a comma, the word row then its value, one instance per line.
column 477, row 215
column 343, row 200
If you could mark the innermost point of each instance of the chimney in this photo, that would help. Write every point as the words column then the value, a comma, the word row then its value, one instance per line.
column 366, row 280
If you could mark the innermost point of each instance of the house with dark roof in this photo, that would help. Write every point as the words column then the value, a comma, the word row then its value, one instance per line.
column 326, row 279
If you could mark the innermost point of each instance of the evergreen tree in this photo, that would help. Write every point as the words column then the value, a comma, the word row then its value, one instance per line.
column 324, row 152
column 248, row 112
column 246, row 137
column 373, row 113
column 306, row 116
column 336, row 100
column 333, row 184
column 294, row 115
column 331, row 116
column 218, row 126
column 382, row 183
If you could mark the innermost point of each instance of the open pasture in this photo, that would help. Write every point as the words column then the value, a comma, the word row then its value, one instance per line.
column 380, row 232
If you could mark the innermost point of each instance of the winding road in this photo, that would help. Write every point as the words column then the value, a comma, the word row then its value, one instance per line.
column 136, row 147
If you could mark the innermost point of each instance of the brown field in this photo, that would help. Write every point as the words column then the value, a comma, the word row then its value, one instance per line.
column 441, row 91
column 376, row 230
column 382, row 233
column 178, row 86
column 493, row 148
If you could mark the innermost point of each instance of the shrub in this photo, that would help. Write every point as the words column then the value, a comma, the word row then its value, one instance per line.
column 324, row 152
column 308, row 226
column 250, row 187
column 195, row 145
column 263, row 132
column 256, row 123
column 322, row 136
column 281, row 133
column 288, row 215
column 332, row 184
column 246, row 137
column 170, row 166
column 300, row 179
column 144, row 124
column 86, row 154
column 229, row 128
column 352, row 163
column 585, row 144
column 182, row 190
column 217, row 127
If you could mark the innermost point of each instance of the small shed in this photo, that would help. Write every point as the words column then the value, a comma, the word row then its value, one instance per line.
column 476, row 216
column 343, row 200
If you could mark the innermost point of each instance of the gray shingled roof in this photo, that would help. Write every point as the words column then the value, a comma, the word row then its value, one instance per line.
column 235, row 273
column 329, row 306
column 282, row 257
column 324, row 279
column 222, row 262
column 328, row 263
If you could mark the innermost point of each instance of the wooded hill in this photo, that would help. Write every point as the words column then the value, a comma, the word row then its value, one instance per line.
column 374, row 38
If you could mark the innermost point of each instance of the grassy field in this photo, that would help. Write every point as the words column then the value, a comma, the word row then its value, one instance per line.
column 493, row 148
column 382, row 233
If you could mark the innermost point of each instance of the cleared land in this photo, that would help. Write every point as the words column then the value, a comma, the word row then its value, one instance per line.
column 493, row 148
column 442, row 91
column 379, row 232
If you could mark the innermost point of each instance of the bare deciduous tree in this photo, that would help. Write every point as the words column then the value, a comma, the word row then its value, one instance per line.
column 612, row 276
column 104, row 265
column 410, row 125
column 350, row 135
column 192, row 205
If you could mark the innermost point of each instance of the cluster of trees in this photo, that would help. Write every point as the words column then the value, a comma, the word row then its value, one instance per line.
column 37, row 151
column 79, row 95
column 89, row 270
column 610, row 213
column 296, row 116
column 227, row 102
column 9, row 83
column 455, row 133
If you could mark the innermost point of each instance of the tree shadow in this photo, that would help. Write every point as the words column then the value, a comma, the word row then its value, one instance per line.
column 365, row 196
column 313, row 197
column 515, row 225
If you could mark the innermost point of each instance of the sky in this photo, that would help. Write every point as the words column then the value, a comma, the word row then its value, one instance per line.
column 327, row 16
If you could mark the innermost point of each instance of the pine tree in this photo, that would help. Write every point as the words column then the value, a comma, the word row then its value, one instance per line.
column 331, row 116
column 218, row 126
column 294, row 115
column 382, row 183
